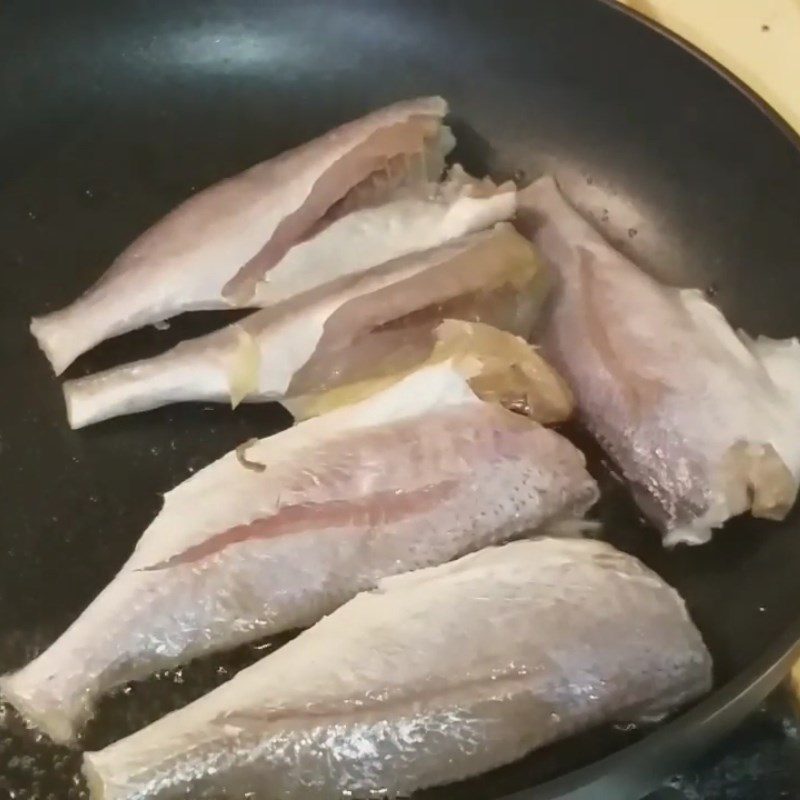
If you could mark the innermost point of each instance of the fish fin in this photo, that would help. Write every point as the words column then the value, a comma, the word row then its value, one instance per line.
column 757, row 472
column 781, row 360
column 695, row 533
column 244, row 367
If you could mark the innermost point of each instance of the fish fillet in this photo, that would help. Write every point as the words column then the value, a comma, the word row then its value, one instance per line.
column 435, row 676
column 274, row 538
column 703, row 422
column 361, row 194
column 492, row 276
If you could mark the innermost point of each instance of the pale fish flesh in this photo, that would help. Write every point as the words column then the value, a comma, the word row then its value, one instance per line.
column 276, row 537
column 492, row 276
column 703, row 422
column 364, row 193
column 435, row 676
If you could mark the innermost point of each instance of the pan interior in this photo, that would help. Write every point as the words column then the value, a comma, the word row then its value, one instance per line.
column 115, row 112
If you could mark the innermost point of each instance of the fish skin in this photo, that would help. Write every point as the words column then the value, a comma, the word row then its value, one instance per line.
column 495, row 475
column 703, row 423
column 286, row 337
column 183, row 262
column 435, row 676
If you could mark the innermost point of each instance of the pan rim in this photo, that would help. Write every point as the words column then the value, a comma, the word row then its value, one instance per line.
column 665, row 749
column 712, row 63
column 672, row 745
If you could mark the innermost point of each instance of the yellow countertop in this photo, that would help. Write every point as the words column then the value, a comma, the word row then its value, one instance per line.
column 758, row 40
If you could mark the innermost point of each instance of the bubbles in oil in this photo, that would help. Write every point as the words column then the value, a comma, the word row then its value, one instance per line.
column 33, row 768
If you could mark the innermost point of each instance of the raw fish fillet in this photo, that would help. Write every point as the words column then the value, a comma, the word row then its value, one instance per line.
column 275, row 537
column 435, row 676
column 703, row 422
column 493, row 276
column 360, row 195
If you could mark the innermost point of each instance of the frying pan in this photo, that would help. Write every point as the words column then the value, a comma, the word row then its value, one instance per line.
column 114, row 112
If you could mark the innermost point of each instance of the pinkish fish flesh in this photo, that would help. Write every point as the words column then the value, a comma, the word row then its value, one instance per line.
column 704, row 422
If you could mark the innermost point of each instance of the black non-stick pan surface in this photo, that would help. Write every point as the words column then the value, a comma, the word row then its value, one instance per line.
column 111, row 113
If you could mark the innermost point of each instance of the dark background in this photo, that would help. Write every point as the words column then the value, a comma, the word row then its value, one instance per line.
column 760, row 761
